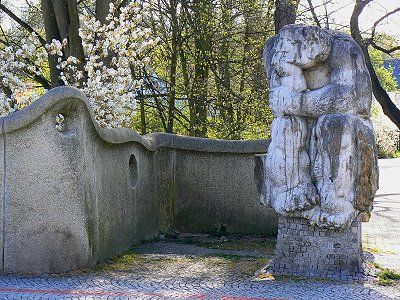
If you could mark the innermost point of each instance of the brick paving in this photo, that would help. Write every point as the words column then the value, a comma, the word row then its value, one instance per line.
column 167, row 270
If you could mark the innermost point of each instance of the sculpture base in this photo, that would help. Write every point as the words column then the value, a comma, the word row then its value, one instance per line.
column 306, row 250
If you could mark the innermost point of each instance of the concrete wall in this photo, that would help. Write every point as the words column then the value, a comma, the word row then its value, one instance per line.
column 212, row 185
column 75, row 197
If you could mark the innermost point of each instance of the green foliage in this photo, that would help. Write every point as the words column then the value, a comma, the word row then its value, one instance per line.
column 376, row 109
column 387, row 134
column 388, row 277
column 387, row 41
column 209, row 64
column 207, row 77
column 221, row 230
column 126, row 258
column 386, row 78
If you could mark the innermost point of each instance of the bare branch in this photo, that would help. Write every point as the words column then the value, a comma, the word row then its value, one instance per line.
column 384, row 50
column 381, row 19
column 312, row 9
column 388, row 107
column 22, row 23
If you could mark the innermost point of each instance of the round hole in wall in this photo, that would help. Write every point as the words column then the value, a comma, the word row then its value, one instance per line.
column 133, row 171
column 60, row 122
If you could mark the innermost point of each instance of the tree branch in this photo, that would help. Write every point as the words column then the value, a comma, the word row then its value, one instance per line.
column 388, row 107
column 313, row 13
column 22, row 23
column 285, row 13
column 381, row 19
column 384, row 50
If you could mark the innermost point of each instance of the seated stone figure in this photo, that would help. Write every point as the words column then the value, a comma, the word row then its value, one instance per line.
column 321, row 164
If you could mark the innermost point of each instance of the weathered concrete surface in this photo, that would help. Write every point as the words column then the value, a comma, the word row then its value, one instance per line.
column 69, row 197
column 211, row 185
column 2, row 194
column 74, row 194
column 209, row 193
column 46, row 192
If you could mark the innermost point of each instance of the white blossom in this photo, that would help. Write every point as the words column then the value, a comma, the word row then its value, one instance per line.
column 110, row 87
column 13, row 67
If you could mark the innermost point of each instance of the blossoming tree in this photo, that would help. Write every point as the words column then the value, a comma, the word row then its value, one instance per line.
column 98, row 53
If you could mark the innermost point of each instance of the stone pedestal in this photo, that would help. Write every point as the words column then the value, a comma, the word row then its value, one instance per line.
column 307, row 250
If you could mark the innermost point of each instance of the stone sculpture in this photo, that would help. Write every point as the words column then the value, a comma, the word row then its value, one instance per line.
column 321, row 164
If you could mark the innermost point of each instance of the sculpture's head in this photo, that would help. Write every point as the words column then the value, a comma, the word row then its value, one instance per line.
column 304, row 46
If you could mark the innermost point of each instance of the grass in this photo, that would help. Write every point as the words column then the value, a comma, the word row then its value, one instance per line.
column 121, row 262
column 386, row 276
column 130, row 262
column 242, row 266
column 373, row 249
column 237, row 265
column 126, row 258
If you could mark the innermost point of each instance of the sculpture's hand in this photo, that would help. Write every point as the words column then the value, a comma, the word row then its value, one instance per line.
column 284, row 102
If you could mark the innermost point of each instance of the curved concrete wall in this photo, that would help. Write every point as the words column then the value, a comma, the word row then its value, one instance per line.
column 76, row 197
column 204, row 183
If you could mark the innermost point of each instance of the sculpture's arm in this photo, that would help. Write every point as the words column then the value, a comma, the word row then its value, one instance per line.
column 332, row 98
column 348, row 90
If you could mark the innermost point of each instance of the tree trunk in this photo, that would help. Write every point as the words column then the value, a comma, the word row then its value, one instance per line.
column 202, row 16
column 51, row 28
column 61, row 21
column 285, row 13
column 143, row 128
column 175, row 45
column 102, row 10
column 388, row 107
column 74, row 40
column 224, row 84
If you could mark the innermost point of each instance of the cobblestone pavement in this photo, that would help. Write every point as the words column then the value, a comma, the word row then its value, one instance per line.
column 195, row 280
column 167, row 270
column 382, row 232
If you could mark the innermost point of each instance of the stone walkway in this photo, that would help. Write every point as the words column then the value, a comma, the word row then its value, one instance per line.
column 121, row 285
column 382, row 232
column 167, row 270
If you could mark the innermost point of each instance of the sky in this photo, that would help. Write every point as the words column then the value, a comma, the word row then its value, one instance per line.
column 341, row 12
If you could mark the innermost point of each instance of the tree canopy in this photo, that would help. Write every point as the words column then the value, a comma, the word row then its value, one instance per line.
column 181, row 66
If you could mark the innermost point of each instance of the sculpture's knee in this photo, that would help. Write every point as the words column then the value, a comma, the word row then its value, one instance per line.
column 286, row 131
column 367, row 173
column 331, row 130
column 344, row 153
column 332, row 147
